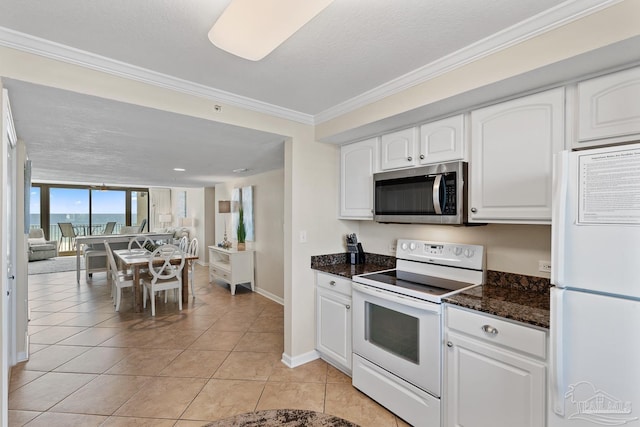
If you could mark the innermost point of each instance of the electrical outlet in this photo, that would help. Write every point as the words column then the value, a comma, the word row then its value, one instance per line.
column 544, row 266
column 392, row 248
column 303, row 236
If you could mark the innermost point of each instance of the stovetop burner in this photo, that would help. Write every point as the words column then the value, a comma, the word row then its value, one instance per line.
column 430, row 270
column 417, row 282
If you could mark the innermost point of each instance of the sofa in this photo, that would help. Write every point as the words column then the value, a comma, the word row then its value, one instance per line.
column 39, row 247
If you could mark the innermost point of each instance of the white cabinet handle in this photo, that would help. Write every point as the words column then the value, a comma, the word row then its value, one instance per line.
column 421, row 156
column 449, row 344
column 332, row 283
column 490, row 330
column 348, row 307
column 409, row 158
column 474, row 210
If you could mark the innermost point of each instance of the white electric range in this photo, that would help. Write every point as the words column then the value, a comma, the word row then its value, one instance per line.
column 397, row 325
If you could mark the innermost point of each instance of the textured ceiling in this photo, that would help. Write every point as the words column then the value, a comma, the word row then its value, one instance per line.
column 79, row 138
column 351, row 48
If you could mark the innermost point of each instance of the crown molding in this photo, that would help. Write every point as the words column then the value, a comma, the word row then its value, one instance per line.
column 546, row 21
column 48, row 49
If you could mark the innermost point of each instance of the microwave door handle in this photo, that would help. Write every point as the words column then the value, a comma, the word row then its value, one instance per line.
column 436, row 194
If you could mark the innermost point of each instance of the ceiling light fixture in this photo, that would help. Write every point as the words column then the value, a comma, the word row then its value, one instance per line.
column 241, row 170
column 179, row 169
column 252, row 29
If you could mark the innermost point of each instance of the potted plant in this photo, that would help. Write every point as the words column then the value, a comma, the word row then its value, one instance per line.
column 241, row 232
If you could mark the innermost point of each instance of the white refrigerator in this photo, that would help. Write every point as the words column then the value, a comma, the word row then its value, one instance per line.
column 594, row 369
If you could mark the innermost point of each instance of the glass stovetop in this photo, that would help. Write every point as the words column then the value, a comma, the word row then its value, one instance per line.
column 417, row 282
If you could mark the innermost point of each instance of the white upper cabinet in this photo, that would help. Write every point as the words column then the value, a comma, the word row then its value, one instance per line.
column 358, row 163
column 609, row 108
column 512, row 148
column 442, row 141
column 398, row 149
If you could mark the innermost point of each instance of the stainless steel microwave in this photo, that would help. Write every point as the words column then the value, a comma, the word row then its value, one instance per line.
column 434, row 194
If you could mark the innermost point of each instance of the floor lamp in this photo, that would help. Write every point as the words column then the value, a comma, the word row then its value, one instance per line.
column 224, row 207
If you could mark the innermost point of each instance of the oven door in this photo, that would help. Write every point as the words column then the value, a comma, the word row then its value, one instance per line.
column 398, row 333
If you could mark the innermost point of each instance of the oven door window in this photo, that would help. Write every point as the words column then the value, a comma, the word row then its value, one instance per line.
column 395, row 332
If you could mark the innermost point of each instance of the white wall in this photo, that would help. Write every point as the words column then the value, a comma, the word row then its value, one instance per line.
column 268, row 212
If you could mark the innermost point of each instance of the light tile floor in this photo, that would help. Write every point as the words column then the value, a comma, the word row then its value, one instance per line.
column 220, row 356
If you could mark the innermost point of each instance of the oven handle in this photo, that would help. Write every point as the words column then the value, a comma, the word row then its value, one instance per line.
column 399, row 299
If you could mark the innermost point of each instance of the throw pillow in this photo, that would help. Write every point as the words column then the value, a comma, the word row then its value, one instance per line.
column 37, row 241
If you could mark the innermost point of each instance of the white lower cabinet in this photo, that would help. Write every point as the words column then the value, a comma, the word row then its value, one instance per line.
column 333, row 320
column 493, row 376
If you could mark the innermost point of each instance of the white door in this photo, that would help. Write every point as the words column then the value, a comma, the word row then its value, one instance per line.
column 487, row 386
column 442, row 141
column 595, row 360
column 398, row 149
column 334, row 326
column 8, row 256
column 512, row 148
column 596, row 220
column 399, row 333
column 358, row 163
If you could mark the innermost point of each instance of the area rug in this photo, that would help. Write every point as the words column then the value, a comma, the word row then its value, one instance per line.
column 283, row 417
column 54, row 265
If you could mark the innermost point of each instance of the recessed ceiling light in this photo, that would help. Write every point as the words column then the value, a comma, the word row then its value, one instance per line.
column 240, row 170
column 179, row 169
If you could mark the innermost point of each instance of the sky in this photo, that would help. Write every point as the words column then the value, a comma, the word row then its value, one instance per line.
column 76, row 201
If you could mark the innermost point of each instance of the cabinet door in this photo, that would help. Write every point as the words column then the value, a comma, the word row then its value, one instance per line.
column 442, row 141
column 486, row 386
column 398, row 149
column 512, row 148
column 358, row 163
column 333, row 327
column 609, row 107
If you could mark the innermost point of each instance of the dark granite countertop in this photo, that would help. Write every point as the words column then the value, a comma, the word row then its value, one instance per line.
column 337, row 264
column 509, row 299
column 507, row 295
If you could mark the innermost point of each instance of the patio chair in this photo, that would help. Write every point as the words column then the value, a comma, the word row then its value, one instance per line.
column 108, row 229
column 67, row 232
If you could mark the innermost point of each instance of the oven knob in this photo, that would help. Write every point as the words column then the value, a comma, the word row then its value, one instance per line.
column 457, row 250
column 412, row 246
column 403, row 246
column 468, row 253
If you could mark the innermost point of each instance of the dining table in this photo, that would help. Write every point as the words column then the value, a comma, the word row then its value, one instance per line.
column 99, row 239
column 135, row 259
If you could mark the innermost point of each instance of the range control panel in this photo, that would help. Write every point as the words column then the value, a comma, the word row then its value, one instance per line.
column 450, row 254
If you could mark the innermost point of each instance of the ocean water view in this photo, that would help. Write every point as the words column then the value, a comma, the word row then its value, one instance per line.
column 79, row 219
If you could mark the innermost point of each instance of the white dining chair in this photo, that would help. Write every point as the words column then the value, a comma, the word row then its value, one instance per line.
column 139, row 242
column 119, row 279
column 183, row 244
column 193, row 251
column 165, row 276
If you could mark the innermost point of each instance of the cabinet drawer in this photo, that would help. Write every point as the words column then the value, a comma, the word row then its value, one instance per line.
column 223, row 274
column 335, row 283
column 491, row 329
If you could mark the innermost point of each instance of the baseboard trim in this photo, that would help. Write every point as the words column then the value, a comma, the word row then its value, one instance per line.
column 270, row 296
column 293, row 362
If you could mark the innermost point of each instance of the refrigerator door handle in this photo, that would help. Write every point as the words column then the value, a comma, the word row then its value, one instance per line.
column 559, row 215
column 557, row 354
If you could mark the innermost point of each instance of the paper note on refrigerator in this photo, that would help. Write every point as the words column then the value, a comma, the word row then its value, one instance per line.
column 609, row 187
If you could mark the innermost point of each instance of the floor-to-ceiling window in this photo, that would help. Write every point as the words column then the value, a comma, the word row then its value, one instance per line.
column 108, row 206
column 87, row 209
